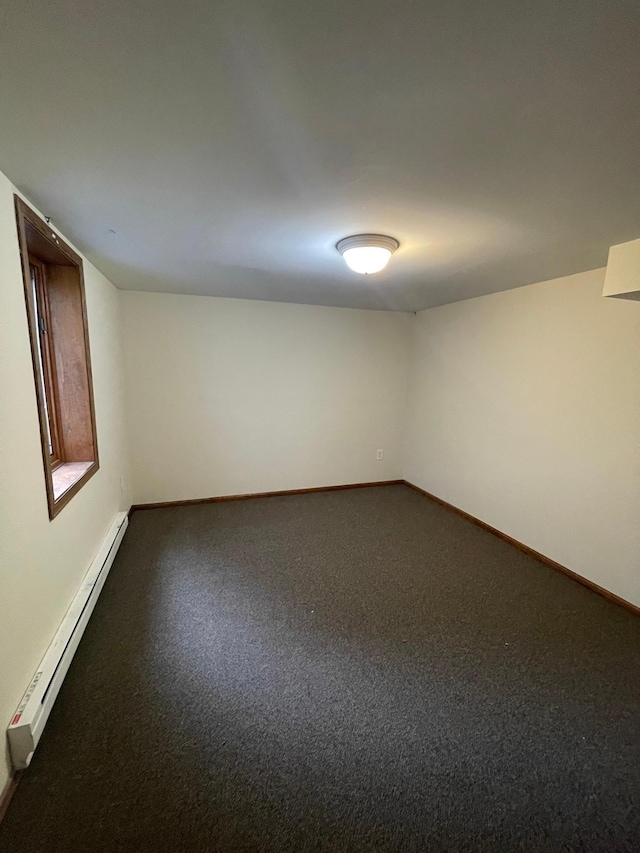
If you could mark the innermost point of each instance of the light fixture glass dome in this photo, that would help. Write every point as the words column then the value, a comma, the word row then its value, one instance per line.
column 367, row 253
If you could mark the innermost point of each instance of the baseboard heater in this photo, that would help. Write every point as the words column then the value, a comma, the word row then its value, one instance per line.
column 30, row 718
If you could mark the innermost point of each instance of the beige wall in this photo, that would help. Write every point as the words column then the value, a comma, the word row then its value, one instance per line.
column 42, row 562
column 229, row 396
column 524, row 410
column 622, row 276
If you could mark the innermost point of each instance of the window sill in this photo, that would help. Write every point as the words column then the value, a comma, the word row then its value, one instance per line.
column 65, row 476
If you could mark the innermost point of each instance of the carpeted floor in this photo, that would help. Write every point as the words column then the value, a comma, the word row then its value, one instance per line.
column 349, row 671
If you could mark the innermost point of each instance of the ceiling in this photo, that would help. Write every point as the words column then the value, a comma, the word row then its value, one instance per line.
column 223, row 147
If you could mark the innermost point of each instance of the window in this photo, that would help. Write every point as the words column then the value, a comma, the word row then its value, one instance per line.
column 56, row 312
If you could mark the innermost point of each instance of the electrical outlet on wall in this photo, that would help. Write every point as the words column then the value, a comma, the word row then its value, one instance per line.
column 123, row 484
column 379, row 455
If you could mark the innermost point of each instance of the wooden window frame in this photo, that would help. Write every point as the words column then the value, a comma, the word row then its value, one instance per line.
column 58, row 273
column 48, row 362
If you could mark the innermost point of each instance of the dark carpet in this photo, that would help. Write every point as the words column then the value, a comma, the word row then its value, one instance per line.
column 349, row 671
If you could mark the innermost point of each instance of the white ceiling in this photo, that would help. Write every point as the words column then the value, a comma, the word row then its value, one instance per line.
column 230, row 143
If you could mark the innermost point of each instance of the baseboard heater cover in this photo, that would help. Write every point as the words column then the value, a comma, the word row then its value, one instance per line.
column 30, row 718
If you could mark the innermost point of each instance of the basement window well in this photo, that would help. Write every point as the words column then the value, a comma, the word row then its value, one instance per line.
column 57, row 318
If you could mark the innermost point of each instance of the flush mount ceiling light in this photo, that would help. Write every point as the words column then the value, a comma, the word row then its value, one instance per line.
column 367, row 253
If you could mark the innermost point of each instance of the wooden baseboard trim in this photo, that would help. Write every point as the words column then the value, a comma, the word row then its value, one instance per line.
column 7, row 793
column 250, row 496
column 594, row 587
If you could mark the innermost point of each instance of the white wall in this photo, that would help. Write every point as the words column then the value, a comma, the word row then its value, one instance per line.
column 228, row 396
column 524, row 410
column 42, row 562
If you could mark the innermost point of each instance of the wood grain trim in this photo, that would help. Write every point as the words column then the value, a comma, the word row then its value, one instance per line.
column 71, row 357
column 8, row 792
column 58, row 253
column 66, row 496
column 223, row 498
column 23, row 215
column 594, row 587
column 49, row 376
column 52, row 238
